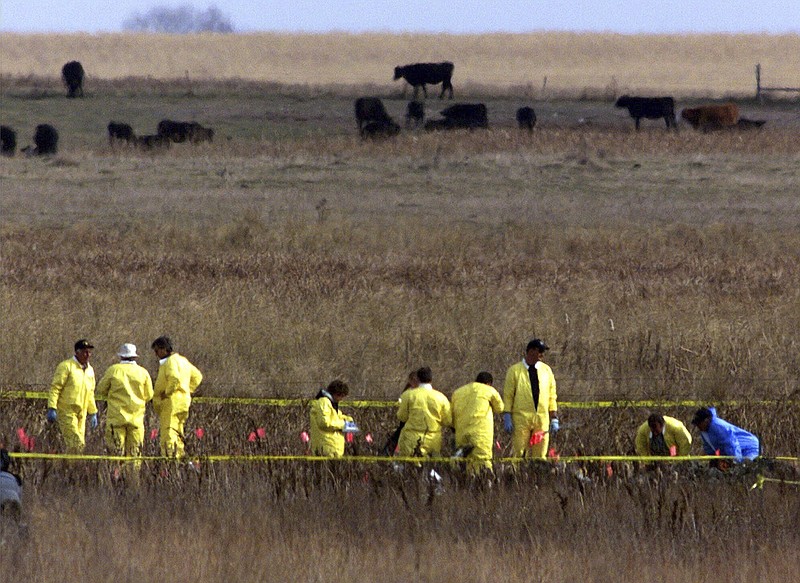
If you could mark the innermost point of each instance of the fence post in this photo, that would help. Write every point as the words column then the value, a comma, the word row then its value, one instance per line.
column 758, row 83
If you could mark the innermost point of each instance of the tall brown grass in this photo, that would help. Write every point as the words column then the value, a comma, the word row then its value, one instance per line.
column 278, row 523
column 289, row 252
column 712, row 65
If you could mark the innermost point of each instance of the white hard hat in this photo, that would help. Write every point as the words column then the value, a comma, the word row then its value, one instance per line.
column 127, row 350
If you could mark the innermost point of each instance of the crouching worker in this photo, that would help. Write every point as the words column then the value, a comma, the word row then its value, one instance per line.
column 663, row 435
column 473, row 407
column 10, row 490
column 723, row 438
column 328, row 424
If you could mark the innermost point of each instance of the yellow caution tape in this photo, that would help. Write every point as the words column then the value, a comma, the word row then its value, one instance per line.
column 271, row 402
column 762, row 479
column 372, row 459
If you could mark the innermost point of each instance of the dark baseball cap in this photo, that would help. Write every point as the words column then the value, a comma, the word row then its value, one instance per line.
column 537, row 344
column 83, row 343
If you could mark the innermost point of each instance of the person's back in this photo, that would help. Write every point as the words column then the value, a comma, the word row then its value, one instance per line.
column 424, row 410
column 128, row 388
column 473, row 409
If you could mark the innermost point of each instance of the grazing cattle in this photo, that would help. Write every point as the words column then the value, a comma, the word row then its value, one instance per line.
column 467, row 115
column 712, row 117
column 152, row 142
column 175, row 131
column 46, row 140
column 380, row 129
column 526, row 118
column 416, row 112
column 421, row 74
column 8, row 141
column 200, row 134
column 72, row 74
column 750, row 124
column 370, row 109
column 121, row 132
column 650, row 108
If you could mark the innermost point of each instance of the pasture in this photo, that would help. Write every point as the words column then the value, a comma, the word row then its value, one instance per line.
column 288, row 252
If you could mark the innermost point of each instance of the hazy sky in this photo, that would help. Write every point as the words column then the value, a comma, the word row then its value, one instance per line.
column 624, row 16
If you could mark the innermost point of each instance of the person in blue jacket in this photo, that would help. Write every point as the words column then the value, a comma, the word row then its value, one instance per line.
column 719, row 435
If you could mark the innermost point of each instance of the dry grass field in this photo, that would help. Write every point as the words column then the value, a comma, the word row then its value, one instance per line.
column 288, row 252
column 574, row 64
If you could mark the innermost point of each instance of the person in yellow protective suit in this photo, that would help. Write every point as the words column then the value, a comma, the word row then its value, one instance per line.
column 71, row 398
column 176, row 381
column 128, row 388
column 663, row 435
column 425, row 411
column 473, row 408
column 328, row 424
column 531, row 409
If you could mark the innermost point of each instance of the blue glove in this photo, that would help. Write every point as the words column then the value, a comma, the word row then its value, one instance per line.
column 554, row 426
column 508, row 425
column 52, row 415
column 93, row 421
column 350, row 427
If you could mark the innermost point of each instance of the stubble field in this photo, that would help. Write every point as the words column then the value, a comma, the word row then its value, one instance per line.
column 289, row 252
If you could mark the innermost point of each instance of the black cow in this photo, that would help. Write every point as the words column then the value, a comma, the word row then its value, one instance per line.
column 650, row 108
column 750, row 124
column 421, row 74
column 199, row 134
column 120, row 132
column 152, row 141
column 416, row 112
column 467, row 115
column 434, row 125
column 526, row 118
column 8, row 141
column 380, row 129
column 72, row 74
column 370, row 109
column 175, row 131
column 46, row 140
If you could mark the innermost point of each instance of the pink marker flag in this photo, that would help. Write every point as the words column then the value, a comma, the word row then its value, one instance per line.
column 609, row 470
column 252, row 437
column 199, row 432
column 25, row 440
column 497, row 445
column 304, row 436
column 553, row 453
column 673, row 450
column 368, row 438
column 537, row 437
column 153, row 434
column 261, row 433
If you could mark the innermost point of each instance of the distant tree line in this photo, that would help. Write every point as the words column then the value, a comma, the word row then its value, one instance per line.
column 180, row 20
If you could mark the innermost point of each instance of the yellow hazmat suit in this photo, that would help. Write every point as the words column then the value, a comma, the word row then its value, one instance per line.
column 327, row 423
column 424, row 410
column 518, row 400
column 72, row 396
column 675, row 434
column 176, row 381
column 128, row 388
column 473, row 407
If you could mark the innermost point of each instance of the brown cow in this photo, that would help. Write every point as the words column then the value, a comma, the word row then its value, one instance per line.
column 712, row 117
